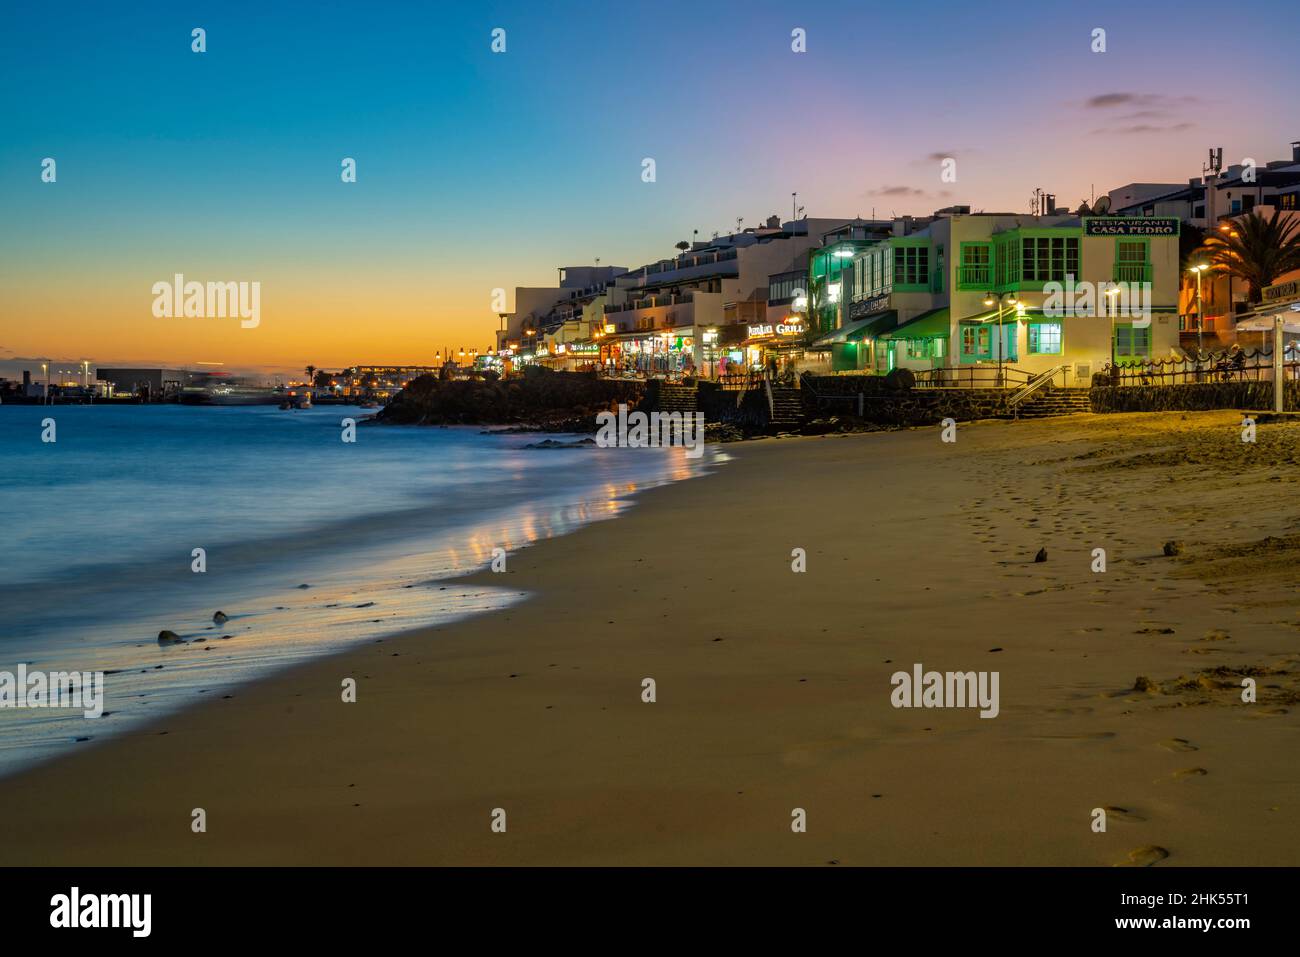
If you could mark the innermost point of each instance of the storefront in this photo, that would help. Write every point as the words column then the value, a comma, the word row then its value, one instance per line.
column 722, row 350
column 921, row 342
column 778, row 346
column 850, row 347
column 649, row 354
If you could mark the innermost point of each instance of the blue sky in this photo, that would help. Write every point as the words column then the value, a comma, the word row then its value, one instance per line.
column 478, row 170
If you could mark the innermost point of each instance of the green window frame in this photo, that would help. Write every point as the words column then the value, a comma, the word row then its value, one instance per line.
column 1132, row 342
column 930, row 348
column 1132, row 259
column 975, row 271
column 976, row 343
column 912, row 267
column 1048, row 258
column 1046, row 338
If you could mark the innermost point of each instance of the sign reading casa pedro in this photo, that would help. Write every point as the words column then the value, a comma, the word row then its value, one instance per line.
column 780, row 329
column 1130, row 226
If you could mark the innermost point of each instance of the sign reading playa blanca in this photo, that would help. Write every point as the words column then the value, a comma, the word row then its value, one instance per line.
column 637, row 430
column 211, row 300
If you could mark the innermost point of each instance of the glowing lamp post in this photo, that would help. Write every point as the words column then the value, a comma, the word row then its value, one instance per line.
column 993, row 299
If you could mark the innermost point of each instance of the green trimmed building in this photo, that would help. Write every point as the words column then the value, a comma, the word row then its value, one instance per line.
column 966, row 291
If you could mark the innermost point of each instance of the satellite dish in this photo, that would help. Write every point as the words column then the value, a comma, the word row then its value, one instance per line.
column 1102, row 205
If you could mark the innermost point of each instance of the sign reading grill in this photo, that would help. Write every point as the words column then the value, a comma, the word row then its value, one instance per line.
column 1130, row 226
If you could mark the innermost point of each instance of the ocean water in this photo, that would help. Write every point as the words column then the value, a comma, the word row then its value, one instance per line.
column 98, row 529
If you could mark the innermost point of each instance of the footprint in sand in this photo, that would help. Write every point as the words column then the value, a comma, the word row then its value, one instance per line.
column 1190, row 773
column 1216, row 634
column 1178, row 744
column 1114, row 813
column 1145, row 856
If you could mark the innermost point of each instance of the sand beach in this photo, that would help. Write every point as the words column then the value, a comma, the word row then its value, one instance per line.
column 1119, row 689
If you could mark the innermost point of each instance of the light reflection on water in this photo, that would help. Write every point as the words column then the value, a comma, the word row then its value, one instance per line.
column 376, row 564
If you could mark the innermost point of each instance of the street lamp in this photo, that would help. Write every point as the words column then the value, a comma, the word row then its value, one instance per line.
column 1111, row 293
column 1200, row 307
column 992, row 299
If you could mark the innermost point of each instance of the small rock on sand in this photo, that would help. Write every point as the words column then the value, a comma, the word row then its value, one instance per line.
column 1173, row 548
column 1144, row 683
column 166, row 637
column 220, row 618
column 1041, row 556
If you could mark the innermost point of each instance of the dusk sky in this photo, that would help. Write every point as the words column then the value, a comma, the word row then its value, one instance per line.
column 479, row 170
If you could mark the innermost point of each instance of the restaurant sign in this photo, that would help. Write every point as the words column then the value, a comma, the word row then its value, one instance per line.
column 1282, row 291
column 869, row 307
column 1130, row 226
column 779, row 329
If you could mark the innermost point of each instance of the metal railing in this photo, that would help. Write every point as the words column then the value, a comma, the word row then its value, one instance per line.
column 1132, row 272
column 973, row 376
column 741, row 381
column 1033, row 385
column 1243, row 365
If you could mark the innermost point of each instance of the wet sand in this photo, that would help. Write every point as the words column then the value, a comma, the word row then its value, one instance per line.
column 773, row 688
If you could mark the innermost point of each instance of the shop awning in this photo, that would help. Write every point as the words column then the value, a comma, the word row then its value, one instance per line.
column 857, row 330
column 928, row 325
column 1262, row 319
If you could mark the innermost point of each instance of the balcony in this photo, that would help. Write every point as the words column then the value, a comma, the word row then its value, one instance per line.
column 976, row 277
column 1132, row 272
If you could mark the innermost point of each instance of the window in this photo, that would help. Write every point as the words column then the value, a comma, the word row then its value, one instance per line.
column 976, row 265
column 1045, row 339
column 976, row 343
column 1132, row 342
column 1048, row 258
column 912, row 266
column 925, row 348
column 1132, row 260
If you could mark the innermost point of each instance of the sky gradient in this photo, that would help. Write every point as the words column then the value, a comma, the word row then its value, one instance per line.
column 479, row 170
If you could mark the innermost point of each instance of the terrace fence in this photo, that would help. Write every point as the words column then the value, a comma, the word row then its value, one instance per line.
column 1244, row 365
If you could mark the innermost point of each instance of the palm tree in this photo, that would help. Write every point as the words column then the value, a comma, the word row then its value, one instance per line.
column 1257, row 250
column 311, row 376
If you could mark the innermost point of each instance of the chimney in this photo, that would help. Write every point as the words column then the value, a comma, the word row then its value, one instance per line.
column 27, row 378
column 1295, row 152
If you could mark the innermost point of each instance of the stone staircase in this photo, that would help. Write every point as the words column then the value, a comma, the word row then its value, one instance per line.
column 677, row 398
column 787, row 410
column 1052, row 401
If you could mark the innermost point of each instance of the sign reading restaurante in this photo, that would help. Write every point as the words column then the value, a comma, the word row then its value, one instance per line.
column 1130, row 226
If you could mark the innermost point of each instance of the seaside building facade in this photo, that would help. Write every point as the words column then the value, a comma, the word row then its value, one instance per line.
column 705, row 312
column 964, row 296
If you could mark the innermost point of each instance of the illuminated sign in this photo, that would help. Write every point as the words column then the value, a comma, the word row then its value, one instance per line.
column 1130, row 226
column 1281, row 291
column 780, row 329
